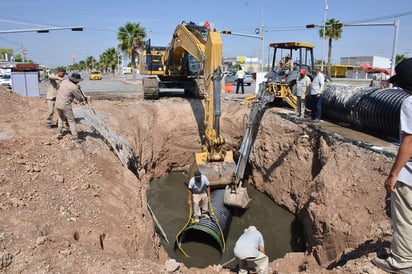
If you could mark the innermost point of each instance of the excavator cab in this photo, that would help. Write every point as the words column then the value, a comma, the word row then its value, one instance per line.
column 288, row 59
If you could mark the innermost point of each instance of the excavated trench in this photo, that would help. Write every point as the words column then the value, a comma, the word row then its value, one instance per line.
column 329, row 183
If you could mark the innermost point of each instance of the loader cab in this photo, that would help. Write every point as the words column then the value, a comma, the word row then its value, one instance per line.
column 282, row 77
column 300, row 56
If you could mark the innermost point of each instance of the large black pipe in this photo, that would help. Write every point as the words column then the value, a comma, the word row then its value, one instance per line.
column 215, row 229
column 373, row 109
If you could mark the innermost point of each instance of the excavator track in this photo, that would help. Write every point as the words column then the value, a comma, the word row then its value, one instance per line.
column 150, row 88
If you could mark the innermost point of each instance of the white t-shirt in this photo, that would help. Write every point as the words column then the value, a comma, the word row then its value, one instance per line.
column 247, row 246
column 199, row 187
column 405, row 175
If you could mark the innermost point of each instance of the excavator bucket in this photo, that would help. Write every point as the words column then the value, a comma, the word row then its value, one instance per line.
column 219, row 173
column 236, row 196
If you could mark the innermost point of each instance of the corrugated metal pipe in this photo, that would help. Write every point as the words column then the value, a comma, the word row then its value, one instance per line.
column 366, row 108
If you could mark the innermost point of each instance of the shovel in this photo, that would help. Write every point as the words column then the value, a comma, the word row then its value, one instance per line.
column 88, row 101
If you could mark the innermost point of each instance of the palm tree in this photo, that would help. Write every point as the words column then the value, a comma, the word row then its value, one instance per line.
column 131, row 38
column 400, row 58
column 90, row 62
column 333, row 31
column 110, row 59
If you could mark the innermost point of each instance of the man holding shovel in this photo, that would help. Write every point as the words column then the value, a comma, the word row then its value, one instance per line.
column 68, row 91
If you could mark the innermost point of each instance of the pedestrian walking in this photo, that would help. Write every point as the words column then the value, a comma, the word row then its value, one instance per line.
column 199, row 195
column 399, row 182
column 68, row 91
column 316, row 90
column 250, row 250
column 302, row 84
column 54, row 82
column 240, row 78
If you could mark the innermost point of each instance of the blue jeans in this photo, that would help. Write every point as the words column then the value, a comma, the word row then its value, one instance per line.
column 316, row 107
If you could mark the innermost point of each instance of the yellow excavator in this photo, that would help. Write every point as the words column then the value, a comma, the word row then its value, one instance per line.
column 177, row 66
column 193, row 60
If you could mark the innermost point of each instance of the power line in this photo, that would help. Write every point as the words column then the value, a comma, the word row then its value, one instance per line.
column 382, row 17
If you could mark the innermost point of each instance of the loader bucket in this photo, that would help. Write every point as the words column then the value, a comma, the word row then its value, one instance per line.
column 236, row 196
column 219, row 173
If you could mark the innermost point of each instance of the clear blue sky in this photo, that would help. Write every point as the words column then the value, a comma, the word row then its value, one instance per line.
column 283, row 20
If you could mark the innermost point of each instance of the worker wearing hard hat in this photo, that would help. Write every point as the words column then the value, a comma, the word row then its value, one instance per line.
column 300, row 89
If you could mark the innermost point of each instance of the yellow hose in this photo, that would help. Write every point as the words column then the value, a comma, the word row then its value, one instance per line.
column 178, row 234
column 212, row 211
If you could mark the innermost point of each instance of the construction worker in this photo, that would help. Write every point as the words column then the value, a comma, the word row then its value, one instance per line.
column 399, row 182
column 54, row 81
column 240, row 78
column 250, row 248
column 285, row 65
column 316, row 91
column 69, row 89
column 199, row 195
column 302, row 85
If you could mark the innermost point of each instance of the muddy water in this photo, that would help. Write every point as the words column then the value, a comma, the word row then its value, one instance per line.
column 167, row 197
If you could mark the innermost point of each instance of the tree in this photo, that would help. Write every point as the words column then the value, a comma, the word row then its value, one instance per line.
column 90, row 62
column 400, row 58
column 131, row 38
column 110, row 59
column 333, row 31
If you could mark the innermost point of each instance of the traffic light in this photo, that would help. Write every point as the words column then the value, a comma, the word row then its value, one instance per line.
column 226, row 32
column 311, row 26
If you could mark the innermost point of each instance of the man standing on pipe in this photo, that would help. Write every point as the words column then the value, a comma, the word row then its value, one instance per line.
column 399, row 182
column 250, row 248
column 199, row 195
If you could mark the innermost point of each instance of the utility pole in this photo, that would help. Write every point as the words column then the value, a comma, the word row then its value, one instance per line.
column 324, row 30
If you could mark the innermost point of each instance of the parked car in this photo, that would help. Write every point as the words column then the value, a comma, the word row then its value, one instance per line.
column 5, row 81
column 230, row 77
column 95, row 75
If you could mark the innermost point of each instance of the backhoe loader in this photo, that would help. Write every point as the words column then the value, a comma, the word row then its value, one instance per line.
column 281, row 79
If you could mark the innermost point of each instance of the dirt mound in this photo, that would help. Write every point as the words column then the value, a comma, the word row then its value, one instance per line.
column 70, row 207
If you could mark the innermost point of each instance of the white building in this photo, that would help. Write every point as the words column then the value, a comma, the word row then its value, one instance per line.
column 371, row 61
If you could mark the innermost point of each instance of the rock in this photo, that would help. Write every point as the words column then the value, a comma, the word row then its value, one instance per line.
column 6, row 260
column 172, row 266
column 41, row 240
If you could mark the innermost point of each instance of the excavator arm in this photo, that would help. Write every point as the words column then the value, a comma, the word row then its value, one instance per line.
column 235, row 193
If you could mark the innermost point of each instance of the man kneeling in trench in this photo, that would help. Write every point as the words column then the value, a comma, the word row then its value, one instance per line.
column 250, row 248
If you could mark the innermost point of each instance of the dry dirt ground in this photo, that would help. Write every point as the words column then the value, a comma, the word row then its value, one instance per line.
column 74, row 208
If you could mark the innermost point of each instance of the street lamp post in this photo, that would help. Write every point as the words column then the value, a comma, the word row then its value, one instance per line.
column 323, row 38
